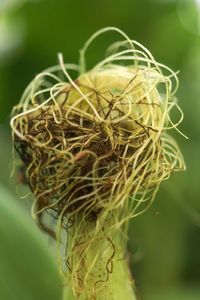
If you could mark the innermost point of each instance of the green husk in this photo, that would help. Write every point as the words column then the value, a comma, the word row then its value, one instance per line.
column 102, row 271
column 96, row 150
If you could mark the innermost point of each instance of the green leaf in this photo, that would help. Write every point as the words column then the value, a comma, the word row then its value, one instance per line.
column 27, row 268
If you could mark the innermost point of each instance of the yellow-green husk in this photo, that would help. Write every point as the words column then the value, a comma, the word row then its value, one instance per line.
column 96, row 150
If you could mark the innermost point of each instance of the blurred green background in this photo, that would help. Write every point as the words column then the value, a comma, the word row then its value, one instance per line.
column 164, row 245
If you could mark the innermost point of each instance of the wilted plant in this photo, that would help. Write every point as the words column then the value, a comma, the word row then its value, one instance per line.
column 95, row 150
